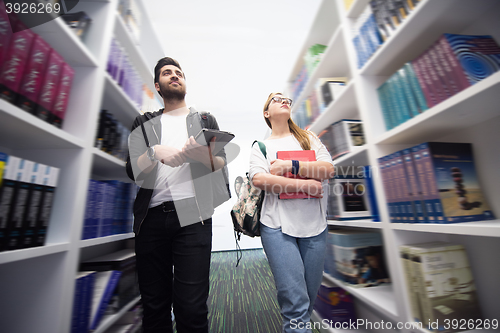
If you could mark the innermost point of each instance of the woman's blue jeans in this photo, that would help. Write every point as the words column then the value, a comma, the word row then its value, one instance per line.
column 297, row 266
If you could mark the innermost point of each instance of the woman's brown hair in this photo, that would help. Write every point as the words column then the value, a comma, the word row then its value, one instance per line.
column 301, row 135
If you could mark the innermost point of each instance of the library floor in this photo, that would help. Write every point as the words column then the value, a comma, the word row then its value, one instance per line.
column 242, row 299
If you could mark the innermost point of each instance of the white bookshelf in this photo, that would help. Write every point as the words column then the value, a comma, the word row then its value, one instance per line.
column 472, row 116
column 37, row 284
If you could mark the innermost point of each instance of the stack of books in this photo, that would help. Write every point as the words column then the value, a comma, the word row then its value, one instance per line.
column 433, row 182
column 356, row 257
column 27, row 193
column 33, row 75
column 112, row 136
column 124, row 73
column 440, row 285
column 335, row 305
column 450, row 65
column 341, row 137
column 109, row 208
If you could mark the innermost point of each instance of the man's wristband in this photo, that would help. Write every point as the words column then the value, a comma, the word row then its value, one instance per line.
column 295, row 167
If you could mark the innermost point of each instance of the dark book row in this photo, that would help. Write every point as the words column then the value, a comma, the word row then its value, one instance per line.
column 378, row 21
column 109, row 208
column 433, row 182
column 112, row 136
column 450, row 65
column 27, row 192
column 33, row 75
column 103, row 287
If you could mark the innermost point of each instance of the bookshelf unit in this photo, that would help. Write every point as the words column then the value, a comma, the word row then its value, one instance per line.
column 471, row 115
column 38, row 283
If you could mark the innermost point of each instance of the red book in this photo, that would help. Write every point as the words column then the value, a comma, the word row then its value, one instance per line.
column 33, row 74
column 62, row 96
column 50, row 86
column 299, row 155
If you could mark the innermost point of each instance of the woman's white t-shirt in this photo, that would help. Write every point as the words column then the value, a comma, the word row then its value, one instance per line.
column 296, row 217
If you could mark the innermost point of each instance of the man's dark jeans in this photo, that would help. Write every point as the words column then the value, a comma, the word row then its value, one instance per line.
column 173, row 266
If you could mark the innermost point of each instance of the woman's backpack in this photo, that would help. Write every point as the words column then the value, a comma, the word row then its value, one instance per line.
column 246, row 210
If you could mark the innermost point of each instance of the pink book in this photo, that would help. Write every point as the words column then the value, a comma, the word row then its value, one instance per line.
column 424, row 81
column 33, row 75
column 457, row 69
column 432, row 72
column 50, row 85
column 5, row 32
column 14, row 64
column 299, row 155
column 62, row 96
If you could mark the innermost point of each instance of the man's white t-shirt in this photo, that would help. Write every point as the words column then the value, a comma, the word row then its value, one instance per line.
column 173, row 184
column 296, row 217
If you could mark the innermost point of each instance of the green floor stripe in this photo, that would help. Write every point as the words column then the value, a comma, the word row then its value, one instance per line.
column 242, row 299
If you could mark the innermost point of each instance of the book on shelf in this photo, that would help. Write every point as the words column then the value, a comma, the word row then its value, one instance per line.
column 104, row 286
column 15, row 60
column 82, row 301
column 434, row 182
column 50, row 179
column 329, row 89
column 335, row 304
column 5, row 33
column 78, row 22
column 50, row 86
column 454, row 193
column 32, row 79
column 299, row 155
column 445, row 285
column 343, row 136
column 358, row 257
column 348, row 194
column 62, row 96
column 479, row 55
column 7, row 194
column 127, row 287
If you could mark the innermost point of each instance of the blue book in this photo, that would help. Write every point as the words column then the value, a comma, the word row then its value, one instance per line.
column 368, row 172
column 408, row 95
column 415, row 87
column 403, row 108
column 104, row 285
column 413, row 187
column 359, row 257
column 479, row 56
column 384, row 106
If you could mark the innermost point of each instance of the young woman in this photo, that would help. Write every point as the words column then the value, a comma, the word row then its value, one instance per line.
column 293, row 231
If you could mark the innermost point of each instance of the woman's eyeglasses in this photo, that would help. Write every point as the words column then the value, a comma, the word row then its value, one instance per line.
column 278, row 99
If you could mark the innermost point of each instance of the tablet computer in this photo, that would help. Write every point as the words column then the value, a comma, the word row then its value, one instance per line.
column 221, row 138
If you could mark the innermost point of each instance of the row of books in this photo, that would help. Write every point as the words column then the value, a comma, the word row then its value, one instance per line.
column 335, row 306
column 112, row 136
column 376, row 23
column 453, row 63
column 124, row 73
column 351, row 194
column 440, row 285
column 356, row 257
column 433, row 182
column 311, row 60
column 341, row 137
column 27, row 192
column 109, row 208
column 33, row 75
column 325, row 91
column 103, row 286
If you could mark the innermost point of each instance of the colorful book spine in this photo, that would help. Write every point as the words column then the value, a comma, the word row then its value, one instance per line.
column 449, row 74
column 416, row 89
column 50, row 86
column 15, row 61
column 424, row 80
column 5, row 32
column 479, row 55
column 415, row 195
column 405, row 85
column 7, row 198
column 31, row 83
column 456, row 68
column 434, row 207
column 443, row 82
column 423, row 186
column 436, row 84
column 33, row 207
column 62, row 96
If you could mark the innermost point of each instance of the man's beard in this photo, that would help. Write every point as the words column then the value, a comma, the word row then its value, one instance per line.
column 172, row 94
